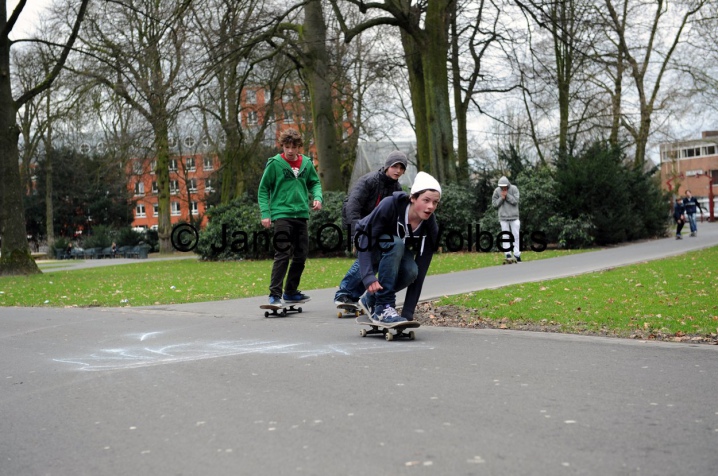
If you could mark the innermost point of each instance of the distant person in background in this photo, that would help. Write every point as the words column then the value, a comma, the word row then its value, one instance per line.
column 506, row 200
column 364, row 197
column 679, row 216
column 690, row 203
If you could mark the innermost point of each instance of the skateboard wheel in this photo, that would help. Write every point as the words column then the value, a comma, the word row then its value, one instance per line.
column 339, row 315
column 299, row 309
column 412, row 336
column 356, row 313
column 389, row 336
column 362, row 332
column 266, row 313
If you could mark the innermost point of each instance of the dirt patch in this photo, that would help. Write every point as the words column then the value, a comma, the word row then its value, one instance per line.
column 429, row 314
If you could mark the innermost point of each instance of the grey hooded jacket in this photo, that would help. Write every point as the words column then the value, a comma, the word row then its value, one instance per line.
column 508, row 207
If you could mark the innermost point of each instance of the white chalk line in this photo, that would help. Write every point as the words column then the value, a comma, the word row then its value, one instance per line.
column 139, row 356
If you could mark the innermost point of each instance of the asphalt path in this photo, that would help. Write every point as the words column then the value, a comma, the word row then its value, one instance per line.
column 216, row 388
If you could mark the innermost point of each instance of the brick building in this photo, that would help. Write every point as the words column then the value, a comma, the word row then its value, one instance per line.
column 692, row 165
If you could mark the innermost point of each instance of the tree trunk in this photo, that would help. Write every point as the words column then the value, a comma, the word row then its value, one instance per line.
column 417, row 89
column 459, row 105
column 316, row 75
column 16, row 258
column 436, row 79
column 164, row 221
column 49, row 211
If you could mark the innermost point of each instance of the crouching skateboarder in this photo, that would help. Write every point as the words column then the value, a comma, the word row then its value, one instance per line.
column 396, row 241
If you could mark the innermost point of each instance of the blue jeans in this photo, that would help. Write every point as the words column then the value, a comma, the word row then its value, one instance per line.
column 692, row 222
column 396, row 268
column 352, row 284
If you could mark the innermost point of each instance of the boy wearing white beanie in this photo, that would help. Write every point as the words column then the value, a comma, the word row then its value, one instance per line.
column 397, row 241
column 506, row 200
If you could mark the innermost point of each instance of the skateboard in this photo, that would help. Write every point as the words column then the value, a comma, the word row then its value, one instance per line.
column 285, row 309
column 349, row 310
column 510, row 261
column 386, row 329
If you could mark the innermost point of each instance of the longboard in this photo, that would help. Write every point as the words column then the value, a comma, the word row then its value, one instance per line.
column 349, row 310
column 285, row 309
column 386, row 329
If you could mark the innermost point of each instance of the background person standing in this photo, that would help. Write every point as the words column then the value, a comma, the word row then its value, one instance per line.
column 506, row 200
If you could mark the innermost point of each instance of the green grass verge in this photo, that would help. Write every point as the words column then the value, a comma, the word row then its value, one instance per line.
column 184, row 281
column 672, row 296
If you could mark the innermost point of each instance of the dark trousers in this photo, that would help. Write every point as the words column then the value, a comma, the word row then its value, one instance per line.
column 291, row 241
column 679, row 226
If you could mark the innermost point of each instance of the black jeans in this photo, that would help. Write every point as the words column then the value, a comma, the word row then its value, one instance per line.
column 291, row 241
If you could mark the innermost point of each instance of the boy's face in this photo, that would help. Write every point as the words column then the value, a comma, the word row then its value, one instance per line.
column 290, row 150
column 426, row 204
column 395, row 171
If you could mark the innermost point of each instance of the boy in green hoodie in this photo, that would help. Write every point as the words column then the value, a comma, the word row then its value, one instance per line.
column 283, row 197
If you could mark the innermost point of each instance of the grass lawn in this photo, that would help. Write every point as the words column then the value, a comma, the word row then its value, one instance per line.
column 674, row 296
column 183, row 281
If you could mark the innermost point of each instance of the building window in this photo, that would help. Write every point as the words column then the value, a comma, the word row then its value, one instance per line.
column 155, row 190
column 207, row 163
column 206, row 142
column 140, row 211
column 189, row 141
column 153, row 166
column 173, row 165
column 710, row 150
column 137, row 167
column 288, row 96
column 85, row 148
column 175, row 209
column 288, row 118
column 192, row 185
column 250, row 96
column 193, row 208
column 252, row 117
column 208, row 185
column 156, row 210
column 172, row 142
column 174, row 187
column 139, row 188
column 189, row 162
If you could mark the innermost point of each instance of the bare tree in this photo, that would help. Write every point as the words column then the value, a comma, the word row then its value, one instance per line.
column 648, row 48
column 138, row 51
column 16, row 257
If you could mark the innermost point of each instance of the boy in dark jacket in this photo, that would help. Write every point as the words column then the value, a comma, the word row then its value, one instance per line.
column 690, row 203
column 397, row 241
column 679, row 215
column 366, row 194
column 283, row 197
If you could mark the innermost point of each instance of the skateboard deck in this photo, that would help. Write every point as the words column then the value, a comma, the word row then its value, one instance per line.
column 389, row 331
column 349, row 310
column 286, row 308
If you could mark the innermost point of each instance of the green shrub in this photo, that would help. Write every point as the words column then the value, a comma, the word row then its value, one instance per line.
column 319, row 226
column 100, row 237
column 234, row 232
column 129, row 237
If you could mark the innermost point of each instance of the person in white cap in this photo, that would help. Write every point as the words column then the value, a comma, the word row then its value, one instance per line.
column 506, row 200
column 364, row 197
column 397, row 241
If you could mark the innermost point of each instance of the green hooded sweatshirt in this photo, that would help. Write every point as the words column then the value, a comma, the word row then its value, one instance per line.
column 282, row 194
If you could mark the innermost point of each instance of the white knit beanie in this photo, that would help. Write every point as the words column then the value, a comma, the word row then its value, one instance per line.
column 424, row 181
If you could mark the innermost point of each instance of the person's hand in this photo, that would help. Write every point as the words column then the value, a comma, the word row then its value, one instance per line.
column 317, row 205
column 503, row 193
column 266, row 222
column 374, row 287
